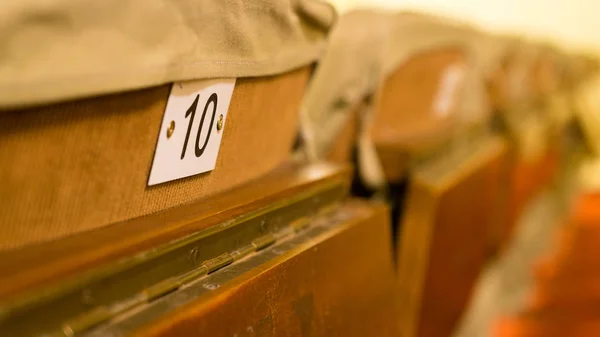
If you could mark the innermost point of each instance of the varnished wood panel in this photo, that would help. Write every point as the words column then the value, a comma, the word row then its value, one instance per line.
column 336, row 279
column 444, row 237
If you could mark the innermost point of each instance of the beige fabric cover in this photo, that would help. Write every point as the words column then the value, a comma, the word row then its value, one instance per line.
column 54, row 50
column 365, row 47
column 348, row 73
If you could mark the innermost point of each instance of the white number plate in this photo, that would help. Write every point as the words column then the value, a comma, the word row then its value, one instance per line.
column 191, row 130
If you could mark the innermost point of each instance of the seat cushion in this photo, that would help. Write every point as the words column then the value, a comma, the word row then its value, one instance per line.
column 61, row 50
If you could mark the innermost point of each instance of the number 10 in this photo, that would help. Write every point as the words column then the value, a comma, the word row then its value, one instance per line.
column 192, row 110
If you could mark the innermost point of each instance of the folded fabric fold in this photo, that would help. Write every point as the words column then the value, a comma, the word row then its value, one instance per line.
column 367, row 46
column 60, row 50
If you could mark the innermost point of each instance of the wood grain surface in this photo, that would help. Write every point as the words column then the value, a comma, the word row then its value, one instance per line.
column 336, row 279
column 444, row 238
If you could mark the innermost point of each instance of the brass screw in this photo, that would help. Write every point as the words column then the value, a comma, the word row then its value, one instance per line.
column 220, row 123
column 171, row 129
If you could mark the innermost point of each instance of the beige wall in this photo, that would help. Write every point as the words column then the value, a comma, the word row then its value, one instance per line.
column 570, row 23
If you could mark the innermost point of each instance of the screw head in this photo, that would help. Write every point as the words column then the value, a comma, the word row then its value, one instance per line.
column 171, row 129
column 220, row 123
column 210, row 286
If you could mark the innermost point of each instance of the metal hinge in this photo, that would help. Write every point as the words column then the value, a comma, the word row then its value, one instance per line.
column 73, row 306
column 102, row 314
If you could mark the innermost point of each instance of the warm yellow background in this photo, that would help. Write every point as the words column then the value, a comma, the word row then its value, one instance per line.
column 569, row 23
